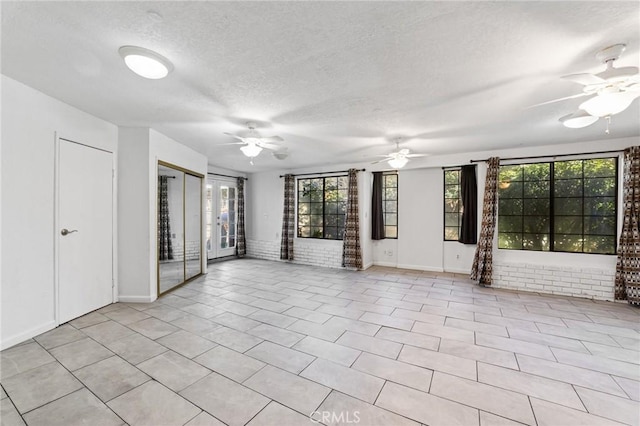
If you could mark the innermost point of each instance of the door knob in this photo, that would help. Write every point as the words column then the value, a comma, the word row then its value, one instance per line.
column 65, row 231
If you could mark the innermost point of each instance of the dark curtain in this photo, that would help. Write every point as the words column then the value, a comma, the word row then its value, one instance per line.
column 627, row 284
column 165, row 250
column 288, row 218
column 241, row 249
column 377, row 215
column 469, row 188
column 482, row 268
column 351, row 252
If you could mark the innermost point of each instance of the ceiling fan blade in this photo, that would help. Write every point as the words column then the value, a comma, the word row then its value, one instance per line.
column 560, row 99
column 381, row 161
column 272, row 139
column 267, row 146
column 584, row 79
column 234, row 136
column 231, row 143
column 415, row 155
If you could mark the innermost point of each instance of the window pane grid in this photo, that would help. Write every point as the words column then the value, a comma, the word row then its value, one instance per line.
column 321, row 207
column 574, row 206
column 452, row 205
column 390, row 205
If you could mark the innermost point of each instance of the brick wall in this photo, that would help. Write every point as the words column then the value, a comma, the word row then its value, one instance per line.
column 307, row 252
column 193, row 249
column 592, row 283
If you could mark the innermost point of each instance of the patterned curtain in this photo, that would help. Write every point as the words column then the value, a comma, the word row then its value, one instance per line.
column 165, row 249
column 240, row 239
column 288, row 218
column 351, row 253
column 627, row 284
column 482, row 261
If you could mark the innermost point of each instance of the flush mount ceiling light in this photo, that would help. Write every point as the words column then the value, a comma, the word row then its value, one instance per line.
column 146, row 63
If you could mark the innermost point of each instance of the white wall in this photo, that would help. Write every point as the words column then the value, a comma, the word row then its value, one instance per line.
column 30, row 121
column 133, row 207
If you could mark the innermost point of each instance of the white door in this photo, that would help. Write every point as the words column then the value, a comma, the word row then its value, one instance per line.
column 222, row 203
column 85, row 229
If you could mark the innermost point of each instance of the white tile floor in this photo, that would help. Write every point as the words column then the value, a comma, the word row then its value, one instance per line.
column 270, row 343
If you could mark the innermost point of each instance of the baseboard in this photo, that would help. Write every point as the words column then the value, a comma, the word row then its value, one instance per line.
column 458, row 271
column 19, row 338
column 367, row 266
column 421, row 268
column 136, row 299
column 387, row 264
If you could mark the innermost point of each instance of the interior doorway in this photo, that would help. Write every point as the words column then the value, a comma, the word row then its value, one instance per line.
column 222, row 226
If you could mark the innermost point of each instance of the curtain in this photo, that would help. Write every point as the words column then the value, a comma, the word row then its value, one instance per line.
column 288, row 218
column 627, row 284
column 469, row 188
column 241, row 249
column 165, row 250
column 377, row 215
column 482, row 261
column 351, row 253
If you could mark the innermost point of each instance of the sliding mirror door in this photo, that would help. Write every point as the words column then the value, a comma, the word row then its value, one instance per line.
column 179, row 226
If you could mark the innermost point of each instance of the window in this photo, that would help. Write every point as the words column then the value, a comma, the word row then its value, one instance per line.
column 390, row 204
column 452, row 205
column 565, row 206
column 322, row 204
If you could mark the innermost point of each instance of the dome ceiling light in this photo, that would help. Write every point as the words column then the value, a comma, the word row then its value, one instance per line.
column 146, row 63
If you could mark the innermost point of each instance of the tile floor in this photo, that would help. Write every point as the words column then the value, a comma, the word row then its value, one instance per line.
column 270, row 343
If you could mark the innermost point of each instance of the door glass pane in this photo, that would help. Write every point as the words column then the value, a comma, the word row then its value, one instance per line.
column 209, row 213
column 223, row 217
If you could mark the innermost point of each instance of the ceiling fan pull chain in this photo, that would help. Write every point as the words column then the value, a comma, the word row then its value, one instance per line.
column 608, row 118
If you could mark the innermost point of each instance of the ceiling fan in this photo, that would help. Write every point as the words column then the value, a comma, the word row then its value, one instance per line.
column 611, row 91
column 253, row 143
column 399, row 158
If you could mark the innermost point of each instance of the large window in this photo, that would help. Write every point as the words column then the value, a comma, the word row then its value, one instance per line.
column 452, row 205
column 390, row 204
column 567, row 206
column 322, row 203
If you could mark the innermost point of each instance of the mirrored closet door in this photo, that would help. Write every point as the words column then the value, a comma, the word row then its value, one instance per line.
column 179, row 226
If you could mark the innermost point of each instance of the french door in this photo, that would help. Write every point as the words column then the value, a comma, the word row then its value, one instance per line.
column 222, row 202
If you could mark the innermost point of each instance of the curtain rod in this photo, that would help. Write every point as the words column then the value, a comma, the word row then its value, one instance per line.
column 229, row 176
column 325, row 173
column 550, row 156
column 454, row 167
column 168, row 177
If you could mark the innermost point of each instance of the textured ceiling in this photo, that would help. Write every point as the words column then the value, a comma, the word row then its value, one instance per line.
column 337, row 80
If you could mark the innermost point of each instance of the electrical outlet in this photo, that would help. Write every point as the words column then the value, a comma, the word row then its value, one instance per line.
column 457, row 256
column 389, row 253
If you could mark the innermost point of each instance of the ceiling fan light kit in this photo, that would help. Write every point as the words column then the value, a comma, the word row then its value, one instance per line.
column 146, row 63
column 251, row 150
column 398, row 163
column 612, row 90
